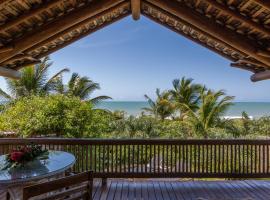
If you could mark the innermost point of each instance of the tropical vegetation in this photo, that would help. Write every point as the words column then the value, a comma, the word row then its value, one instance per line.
column 39, row 105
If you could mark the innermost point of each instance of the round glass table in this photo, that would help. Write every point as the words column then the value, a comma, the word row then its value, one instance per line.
column 13, row 181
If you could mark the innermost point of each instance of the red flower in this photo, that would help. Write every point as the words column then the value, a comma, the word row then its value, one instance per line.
column 16, row 156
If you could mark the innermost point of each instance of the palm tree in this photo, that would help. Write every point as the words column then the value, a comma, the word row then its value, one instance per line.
column 213, row 106
column 81, row 87
column 34, row 81
column 162, row 107
column 187, row 93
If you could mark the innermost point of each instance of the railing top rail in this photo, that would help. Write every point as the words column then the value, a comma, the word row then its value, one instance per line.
column 83, row 141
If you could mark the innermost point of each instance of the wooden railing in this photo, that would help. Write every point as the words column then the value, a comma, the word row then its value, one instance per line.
column 161, row 157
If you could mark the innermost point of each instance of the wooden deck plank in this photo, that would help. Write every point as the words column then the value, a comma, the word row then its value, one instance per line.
column 182, row 190
column 220, row 193
column 228, row 190
column 264, row 186
column 97, row 190
column 118, row 190
column 131, row 190
column 254, row 190
column 242, row 190
column 124, row 193
column 138, row 190
column 157, row 191
column 202, row 192
column 177, row 191
column 105, row 190
column 151, row 191
column 144, row 189
column 170, row 190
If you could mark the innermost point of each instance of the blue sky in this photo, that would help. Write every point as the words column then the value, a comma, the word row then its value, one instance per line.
column 133, row 58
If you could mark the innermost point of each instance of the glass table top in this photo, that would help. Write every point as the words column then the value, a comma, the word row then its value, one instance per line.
column 58, row 162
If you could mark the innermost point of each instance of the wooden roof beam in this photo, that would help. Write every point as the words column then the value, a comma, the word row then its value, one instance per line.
column 243, row 66
column 259, row 76
column 10, row 73
column 76, row 26
column 191, row 38
column 27, row 64
column 238, row 16
column 3, row 2
column 6, row 48
column 211, row 27
column 252, row 62
column 19, row 57
column 135, row 9
column 80, row 36
column 264, row 3
column 263, row 53
column 28, row 15
column 58, row 26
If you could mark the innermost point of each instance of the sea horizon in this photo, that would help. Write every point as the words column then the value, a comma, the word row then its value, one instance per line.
column 254, row 109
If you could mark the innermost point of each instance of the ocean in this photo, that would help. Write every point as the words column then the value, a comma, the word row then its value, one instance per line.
column 254, row 109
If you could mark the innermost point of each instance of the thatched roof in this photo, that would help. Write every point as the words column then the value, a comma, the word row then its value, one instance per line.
column 238, row 30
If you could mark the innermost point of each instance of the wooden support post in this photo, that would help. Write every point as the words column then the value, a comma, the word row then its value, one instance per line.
column 260, row 76
column 135, row 9
column 10, row 73
column 211, row 27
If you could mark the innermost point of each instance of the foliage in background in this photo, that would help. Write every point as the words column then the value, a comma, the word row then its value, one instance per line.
column 34, row 81
column 162, row 107
column 185, row 93
column 81, row 87
column 188, row 110
column 49, row 115
column 213, row 106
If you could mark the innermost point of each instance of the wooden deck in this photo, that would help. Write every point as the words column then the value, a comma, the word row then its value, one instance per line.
column 184, row 190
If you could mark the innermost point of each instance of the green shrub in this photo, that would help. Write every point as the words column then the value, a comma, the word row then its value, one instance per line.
column 54, row 114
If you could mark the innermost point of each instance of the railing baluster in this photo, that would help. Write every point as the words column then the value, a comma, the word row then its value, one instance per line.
column 246, row 158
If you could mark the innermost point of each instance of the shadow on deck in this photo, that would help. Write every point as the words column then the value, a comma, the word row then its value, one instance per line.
column 124, row 189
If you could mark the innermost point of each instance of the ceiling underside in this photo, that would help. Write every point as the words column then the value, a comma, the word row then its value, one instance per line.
column 238, row 30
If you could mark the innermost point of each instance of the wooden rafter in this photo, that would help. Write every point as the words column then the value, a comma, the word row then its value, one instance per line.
column 3, row 2
column 264, row 3
column 28, row 63
column 28, row 15
column 135, row 9
column 75, row 27
column 6, row 49
column 238, row 16
column 230, row 37
column 189, row 36
column 259, row 76
column 243, row 66
column 80, row 36
column 10, row 73
column 59, row 25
